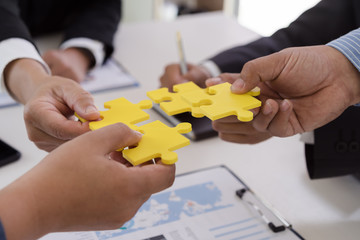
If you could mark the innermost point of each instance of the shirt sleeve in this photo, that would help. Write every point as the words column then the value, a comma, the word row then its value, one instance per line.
column 2, row 232
column 96, row 48
column 349, row 45
column 17, row 48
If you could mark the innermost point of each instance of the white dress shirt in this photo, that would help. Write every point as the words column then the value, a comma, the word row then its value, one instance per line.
column 18, row 48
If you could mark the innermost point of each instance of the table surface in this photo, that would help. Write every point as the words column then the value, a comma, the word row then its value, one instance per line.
column 274, row 169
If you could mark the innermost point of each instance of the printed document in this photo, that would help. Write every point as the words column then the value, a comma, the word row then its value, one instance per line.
column 199, row 206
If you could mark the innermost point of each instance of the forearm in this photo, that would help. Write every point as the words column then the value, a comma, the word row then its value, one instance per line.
column 98, row 21
column 22, row 76
column 319, row 25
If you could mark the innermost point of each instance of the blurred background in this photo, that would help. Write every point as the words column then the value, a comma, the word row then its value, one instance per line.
column 261, row 16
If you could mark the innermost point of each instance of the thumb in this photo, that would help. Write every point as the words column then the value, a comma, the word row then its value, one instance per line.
column 110, row 138
column 82, row 103
column 259, row 70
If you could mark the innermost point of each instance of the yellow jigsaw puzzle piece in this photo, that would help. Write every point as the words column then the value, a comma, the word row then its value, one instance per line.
column 158, row 141
column 219, row 102
column 172, row 103
column 121, row 110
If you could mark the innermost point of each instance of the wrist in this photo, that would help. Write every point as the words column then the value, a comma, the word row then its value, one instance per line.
column 84, row 57
column 350, row 76
column 22, row 76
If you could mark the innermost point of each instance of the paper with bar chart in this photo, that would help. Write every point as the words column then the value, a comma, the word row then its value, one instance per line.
column 200, row 205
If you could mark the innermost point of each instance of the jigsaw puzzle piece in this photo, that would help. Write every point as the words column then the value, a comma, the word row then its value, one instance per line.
column 158, row 141
column 219, row 102
column 121, row 110
column 172, row 103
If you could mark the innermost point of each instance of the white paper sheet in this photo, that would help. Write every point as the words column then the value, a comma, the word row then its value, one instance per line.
column 199, row 206
column 107, row 77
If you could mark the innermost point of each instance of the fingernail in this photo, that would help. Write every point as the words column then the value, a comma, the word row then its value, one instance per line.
column 138, row 133
column 285, row 105
column 91, row 109
column 238, row 85
column 267, row 109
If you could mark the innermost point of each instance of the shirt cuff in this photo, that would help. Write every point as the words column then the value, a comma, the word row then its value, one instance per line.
column 308, row 138
column 211, row 67
column 349, row 45
column 95, row 47
column 17, row 48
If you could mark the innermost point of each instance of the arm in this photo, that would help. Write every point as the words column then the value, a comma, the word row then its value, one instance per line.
column 326, row 21
column 98, row 20
column 298, row 77
column 83, row 185
column 88, row 40
column 50, row 102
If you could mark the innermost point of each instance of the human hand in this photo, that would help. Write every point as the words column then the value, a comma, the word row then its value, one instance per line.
column 50, row 103
column 82, row 185
column 307, row 87
column 230, row 128
column 49, row 113
column 70, row 63
column 173, row 76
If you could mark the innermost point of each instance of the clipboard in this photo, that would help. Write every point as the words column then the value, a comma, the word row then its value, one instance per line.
column 202, row 204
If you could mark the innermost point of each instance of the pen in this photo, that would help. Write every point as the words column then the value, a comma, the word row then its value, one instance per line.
column 183, row 67
column 241, row 192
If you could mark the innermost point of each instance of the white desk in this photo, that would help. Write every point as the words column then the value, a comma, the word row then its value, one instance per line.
column 275, row 169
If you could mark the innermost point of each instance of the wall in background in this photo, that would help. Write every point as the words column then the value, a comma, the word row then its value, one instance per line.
column 266, row 16
column 262, row 16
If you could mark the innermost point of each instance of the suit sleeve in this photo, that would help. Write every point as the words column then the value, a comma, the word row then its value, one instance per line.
column 98, row 21
column 2, row 232
column 336, row 151
column 326, row 21
column 11, row 24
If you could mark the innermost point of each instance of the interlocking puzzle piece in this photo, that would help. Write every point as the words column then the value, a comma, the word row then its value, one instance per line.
column 219, row 102
column 172, row 103
column 158, row 141
column 122, row 110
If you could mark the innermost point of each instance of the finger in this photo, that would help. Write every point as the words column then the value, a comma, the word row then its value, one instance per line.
column 80, row 101
column 118, row 157
column 222, row 78
column 171, row 76
column 154, row 178
column 229, row 119
column 259, row 70
column 213, row 81
column 234, row 128
column 110, row 138
column 52, row 122
column 263, row 119
column 43, row 140
column 280, row 126
column 245, row 138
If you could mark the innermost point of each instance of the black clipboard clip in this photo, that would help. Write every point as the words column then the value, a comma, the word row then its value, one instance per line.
column 241, row 192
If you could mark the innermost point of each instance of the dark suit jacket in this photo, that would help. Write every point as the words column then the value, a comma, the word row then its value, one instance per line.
column 95, row 19
column 328, row 20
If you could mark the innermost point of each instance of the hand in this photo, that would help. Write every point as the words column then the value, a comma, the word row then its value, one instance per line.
column 78, row 187
column 48, row 114
column 311, row 86
column 230, row 128
column 173, row 76
column 70, row 63
column 50, row 103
